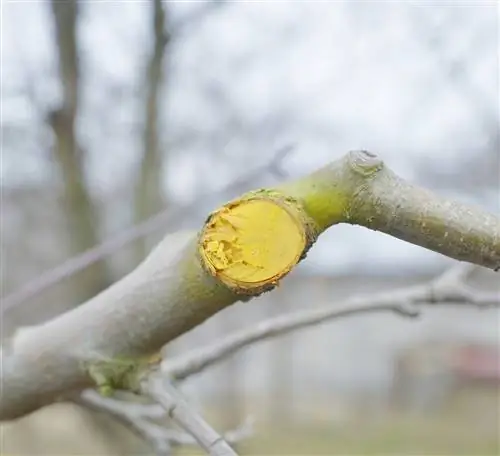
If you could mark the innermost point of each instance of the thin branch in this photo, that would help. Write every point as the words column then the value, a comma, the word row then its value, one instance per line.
column 136, row 417
column 91, row 397
column 140, row 419
column 159, row 389
column 199, row 359
column 242, row 432
column 451, row 287
column 446, row 289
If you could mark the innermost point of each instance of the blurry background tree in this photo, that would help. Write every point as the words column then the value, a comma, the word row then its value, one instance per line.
column 115, row 111
column 149, row 187
column 69, row 155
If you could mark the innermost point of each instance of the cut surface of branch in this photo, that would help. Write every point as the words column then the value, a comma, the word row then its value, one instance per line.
column 251, row 243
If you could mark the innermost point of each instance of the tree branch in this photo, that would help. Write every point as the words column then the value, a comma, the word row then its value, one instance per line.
column 185, row 416
column 446, row 289
column 465, row 233
column 136, row 417
column 449, row 287
column 140, row 419
column 177, row 287
column 361, row 190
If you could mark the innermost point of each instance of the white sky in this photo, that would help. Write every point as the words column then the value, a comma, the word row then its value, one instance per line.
column 343, row 75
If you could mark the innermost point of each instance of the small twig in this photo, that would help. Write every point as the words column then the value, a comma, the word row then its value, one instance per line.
column 198, row 359
column 242, row 432
column 140, row 419
column 136, row 417
column 446, row 289
column 159, row 389
column 121, row 407
column 456, row 275
column 451, row 287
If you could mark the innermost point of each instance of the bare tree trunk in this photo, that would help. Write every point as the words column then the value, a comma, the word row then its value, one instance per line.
column 68, row 155
column 148, row 191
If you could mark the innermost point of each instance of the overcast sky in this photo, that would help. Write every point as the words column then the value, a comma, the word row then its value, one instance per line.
column 325, row 76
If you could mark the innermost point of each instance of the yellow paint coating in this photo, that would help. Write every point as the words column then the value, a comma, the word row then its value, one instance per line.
column 252, row 242
column 324, row 199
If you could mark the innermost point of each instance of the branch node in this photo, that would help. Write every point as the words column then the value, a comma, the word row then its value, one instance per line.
column 110, row 375
column 408, row 309
column 364, row 162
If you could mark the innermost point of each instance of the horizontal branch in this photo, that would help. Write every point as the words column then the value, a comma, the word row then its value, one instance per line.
column 199, row 359
column 360, row 189
column 190, row 276
column 449, row 288
column 396, row 207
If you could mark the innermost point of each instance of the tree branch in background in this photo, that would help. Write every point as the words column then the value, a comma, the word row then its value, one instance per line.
column 148, row 198
column 137, row 418
column 143, row 421
column 68, row 154
column 162, row 392
column 449, row 288
column 190, row 276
